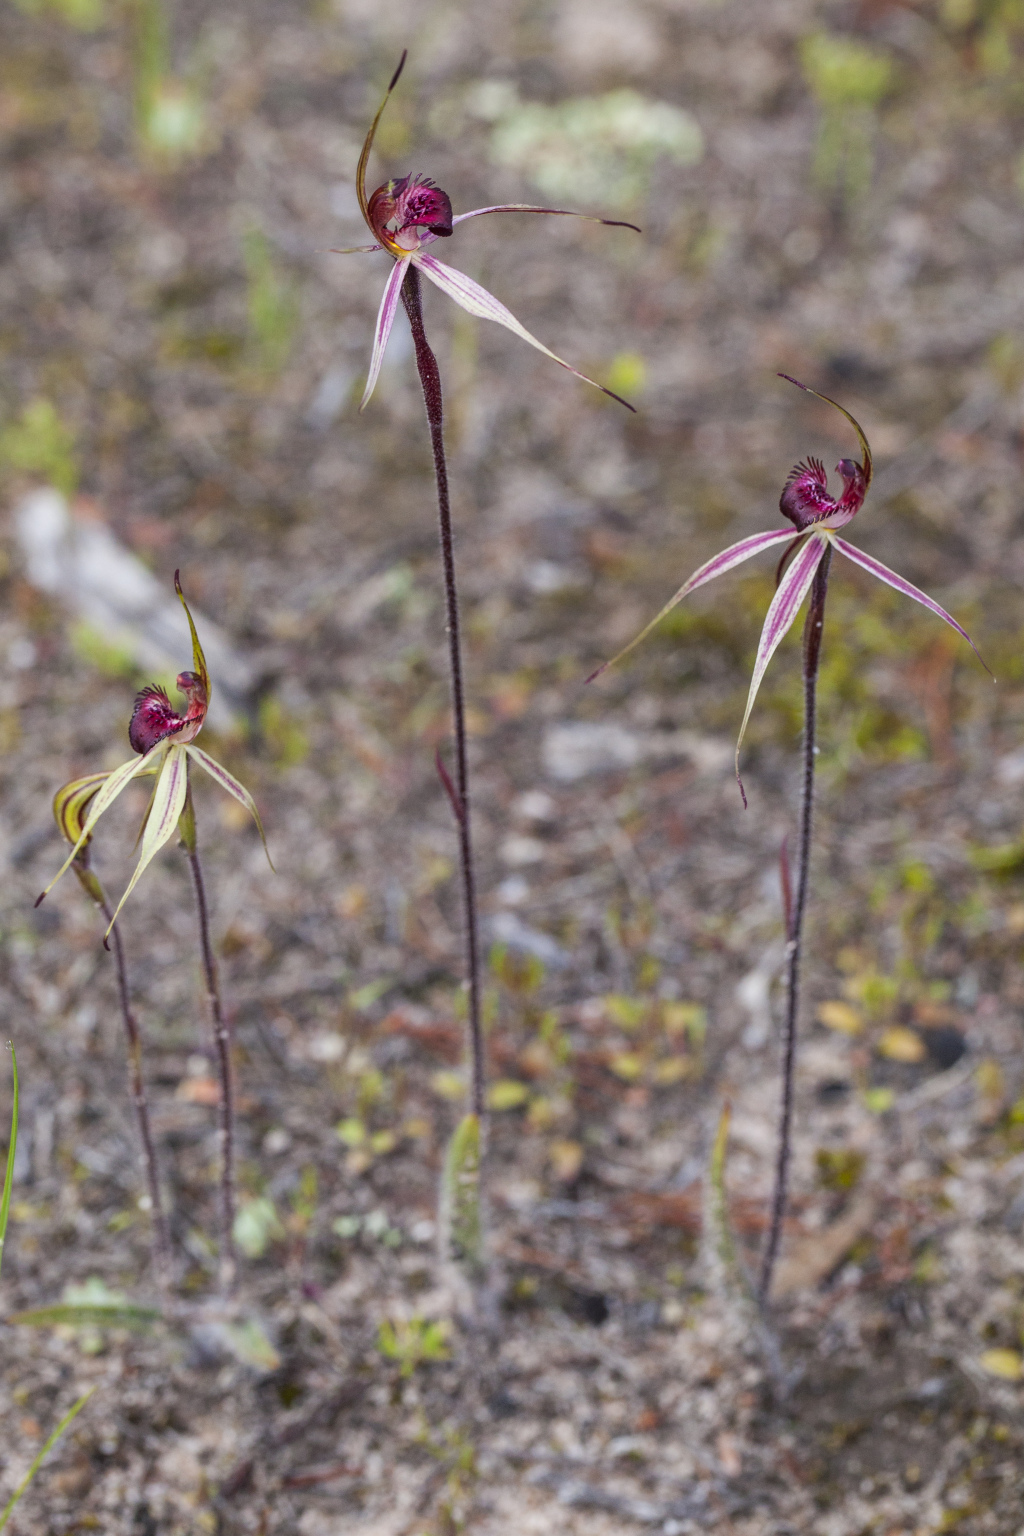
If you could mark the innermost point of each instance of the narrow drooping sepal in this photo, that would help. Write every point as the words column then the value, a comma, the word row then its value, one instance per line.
column 477, row 301
column 226, row 781
column 568, row 213
column 117, row 780
column 716, row 566
column 385, row 320
column 901, row 584
column 167, row 804
column 785, row 605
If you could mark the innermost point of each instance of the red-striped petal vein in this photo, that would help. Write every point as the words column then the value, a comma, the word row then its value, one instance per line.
column 385, row 320
column 477, row 301
column 716, row 566
column 901, row 584
column 226, row 781
column 167, row 806
column 785, row 605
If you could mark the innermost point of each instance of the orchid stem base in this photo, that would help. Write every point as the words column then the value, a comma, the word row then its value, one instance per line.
column 795, row 926
column 222, row 1046
column 430, row 380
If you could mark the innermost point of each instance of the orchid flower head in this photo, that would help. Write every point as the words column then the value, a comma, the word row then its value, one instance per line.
column 407, row 215
column 806, row 502
column 164, row 743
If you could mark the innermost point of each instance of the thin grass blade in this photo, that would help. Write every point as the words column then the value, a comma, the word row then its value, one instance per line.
column 37, row 1463
column 84, row 1315
column 12, row 1147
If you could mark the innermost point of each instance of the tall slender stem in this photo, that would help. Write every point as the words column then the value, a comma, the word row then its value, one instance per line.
column 161, row 1232
column 222, row 1044
column 430, row 380
column 812, row 656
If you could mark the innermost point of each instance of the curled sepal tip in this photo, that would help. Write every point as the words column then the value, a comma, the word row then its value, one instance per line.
column 116, row 781
column 70, row 804
column 198, row 659
column 854, row 423
column 364, row 157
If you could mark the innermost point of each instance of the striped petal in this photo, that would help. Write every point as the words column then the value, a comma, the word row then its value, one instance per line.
column 716, row 566
column 570, row 213
column 168, row 804
column 117, row 780
column 227, row 781
column 901, row 584
column 785, row 605
column 385, row 320
column 477, row 301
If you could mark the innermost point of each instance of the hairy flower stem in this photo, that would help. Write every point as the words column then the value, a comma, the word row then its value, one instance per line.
column 795, row 924
column 222, row 1044
column 161, row 1232
column 430, row 380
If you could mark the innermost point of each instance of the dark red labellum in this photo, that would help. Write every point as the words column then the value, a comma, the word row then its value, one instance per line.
column 411, row 202
column 153, row 718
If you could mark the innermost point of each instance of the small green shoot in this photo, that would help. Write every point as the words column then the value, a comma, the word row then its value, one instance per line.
column 273, row 306
column 39, row 444
column 417, row 1341
column 461, row 1218
column 256, row 1226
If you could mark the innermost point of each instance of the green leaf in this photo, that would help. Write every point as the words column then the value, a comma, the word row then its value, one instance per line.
column 249, row 1343
column 84, row 1315
column 256, row 1227
column 507, row 1093
column 5, row 1200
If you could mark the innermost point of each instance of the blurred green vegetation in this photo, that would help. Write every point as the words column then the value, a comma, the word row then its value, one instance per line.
column 272, row 303
column 170, row 117
column 601, row 150
column 850, row 80
column 85, row 15
column 39, row 444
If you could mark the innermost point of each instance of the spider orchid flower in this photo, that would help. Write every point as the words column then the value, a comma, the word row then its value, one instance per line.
column 407, row 216
column 164, row 741
column 816, row 515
